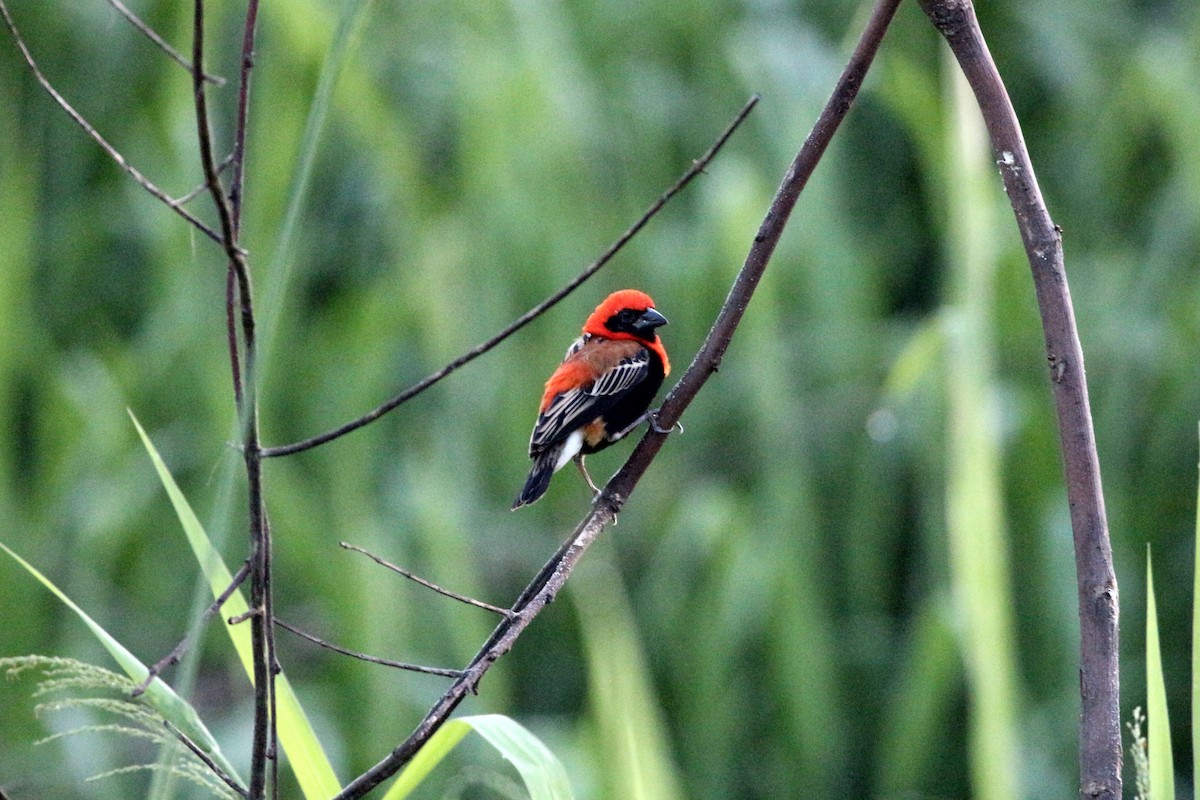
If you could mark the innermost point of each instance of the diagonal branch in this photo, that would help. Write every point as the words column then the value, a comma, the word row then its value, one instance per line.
column 160, row 42
column 87, row 127
column 412, row 576
column 177, row 653
column 1099, row 677
column 387, row 662
column 200, row 189
column 696, row 168
column 547, row 583
column 207, row 760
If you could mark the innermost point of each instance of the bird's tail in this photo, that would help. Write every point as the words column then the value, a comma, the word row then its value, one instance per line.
column 539, row 478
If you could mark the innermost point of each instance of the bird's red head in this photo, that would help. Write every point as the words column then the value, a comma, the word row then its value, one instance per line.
column 602, row 323
column 629, row 314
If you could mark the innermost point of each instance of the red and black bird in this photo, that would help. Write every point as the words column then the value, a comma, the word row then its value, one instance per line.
column 600, row 391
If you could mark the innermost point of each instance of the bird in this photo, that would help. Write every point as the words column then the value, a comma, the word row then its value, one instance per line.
column 600, row 391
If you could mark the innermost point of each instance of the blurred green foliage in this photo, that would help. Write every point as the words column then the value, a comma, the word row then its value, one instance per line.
column 781, row 583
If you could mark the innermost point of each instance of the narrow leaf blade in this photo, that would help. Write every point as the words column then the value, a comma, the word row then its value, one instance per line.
column 543, row 774
column 1196, row 641
column 428, row 757
column 1162, row 766
column 158, row 695
column 306, row 756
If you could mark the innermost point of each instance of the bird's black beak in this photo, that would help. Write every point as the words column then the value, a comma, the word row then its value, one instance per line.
column 648, row 321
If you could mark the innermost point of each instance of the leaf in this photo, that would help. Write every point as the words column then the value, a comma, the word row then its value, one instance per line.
column 1196, row 641
column 627, row 712
column 161, row 697
column 541, row 771
column 1162, row 766
column 305, row 754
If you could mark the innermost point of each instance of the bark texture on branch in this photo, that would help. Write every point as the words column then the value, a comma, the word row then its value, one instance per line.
column 1099, row 679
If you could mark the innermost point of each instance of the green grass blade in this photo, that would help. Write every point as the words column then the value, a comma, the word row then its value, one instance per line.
column 541, row 771
column 428, row 757
column 924, row 692
column 627, row 712
column 161, row 697
column 1162, row 765
column 307, row 757
column 1196, row 642
column 543, row 774
column 975, row 518
column 279, row 270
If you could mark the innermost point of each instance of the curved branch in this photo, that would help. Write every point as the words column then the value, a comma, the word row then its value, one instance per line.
column 1099, row 677
column 529, row 316
column 547, row 583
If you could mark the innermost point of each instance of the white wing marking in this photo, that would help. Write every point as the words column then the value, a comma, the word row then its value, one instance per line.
column 568, row 411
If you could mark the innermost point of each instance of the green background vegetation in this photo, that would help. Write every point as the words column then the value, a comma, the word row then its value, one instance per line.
column 809, row 594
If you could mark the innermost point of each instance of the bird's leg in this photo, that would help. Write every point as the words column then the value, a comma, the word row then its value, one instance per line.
column 595, row 492
column 654, row 426
column 583, row 471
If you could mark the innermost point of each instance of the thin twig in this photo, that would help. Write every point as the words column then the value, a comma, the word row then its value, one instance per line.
column 243, row 110
column 462, row 598
column 202, row 187
column 159, row 42
column 262, row 633
column 273, row 667
column 226, row 778
column 546, row 585
column 696, row 168
column 87, row 127
column 177, row 653
column 249, row 613
column 445, row 673
column 1100, row 754
column 238, row 159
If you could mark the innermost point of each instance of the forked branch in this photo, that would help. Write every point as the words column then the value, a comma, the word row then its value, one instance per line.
column 264, row 743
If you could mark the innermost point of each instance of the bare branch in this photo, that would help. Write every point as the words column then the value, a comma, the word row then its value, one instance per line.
column 696, row 168
column 238, row 160
column 462, row 598
column 1099, row 678
column 243, row 108
column 177, row 653
column 262, row 633
column 445, row 673
column 546, row 585
column 203, row 187
column 226, row 779
column 87, row 127
column 159, row 42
